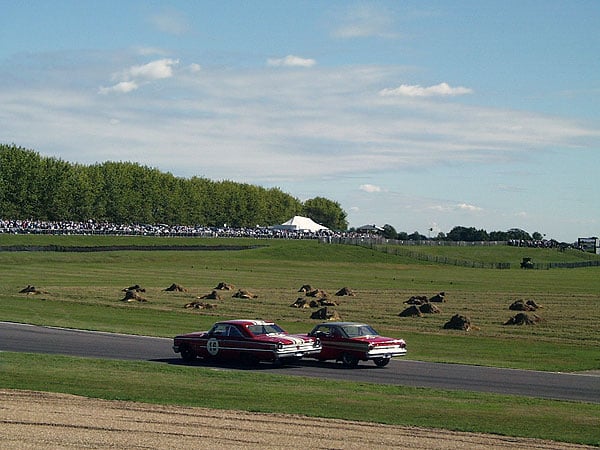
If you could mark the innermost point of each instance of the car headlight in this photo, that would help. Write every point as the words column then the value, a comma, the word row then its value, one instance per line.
column 279, row 345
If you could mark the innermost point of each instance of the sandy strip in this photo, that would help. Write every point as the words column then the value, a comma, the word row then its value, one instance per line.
column 40, row 420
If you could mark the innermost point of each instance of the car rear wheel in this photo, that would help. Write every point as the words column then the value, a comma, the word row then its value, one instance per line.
column 349, row 360
column 187, row 354
column 382, row 362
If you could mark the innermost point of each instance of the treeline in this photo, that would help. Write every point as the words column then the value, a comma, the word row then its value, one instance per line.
column 44, row 188
column 464, row 234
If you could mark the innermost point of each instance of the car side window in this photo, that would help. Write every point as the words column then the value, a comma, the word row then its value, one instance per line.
column 219, row 330
column 323, row 331
column 234, row 332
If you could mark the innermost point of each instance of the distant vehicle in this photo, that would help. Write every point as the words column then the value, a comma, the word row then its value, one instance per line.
column 245, row 341
column 351, row 342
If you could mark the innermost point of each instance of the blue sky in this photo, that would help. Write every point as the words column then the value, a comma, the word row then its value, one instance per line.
column 419, row 114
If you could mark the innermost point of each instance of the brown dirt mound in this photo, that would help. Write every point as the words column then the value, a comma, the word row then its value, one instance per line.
column 438, row 298
column 300, row 303
column 411, row 311
column 417, row 300
column 322, row 302
column 522, row 305
column 200, row 305
column 429, row 308
column 176, row 288
column 31, row 290
column 305, row 288
column 325, row 314
column 135, row 287
column 345, row 291
column 133, row 296
column 523, row 319
column 213, row 295
column 318, row 293
column 243, row 293
column 458, row 322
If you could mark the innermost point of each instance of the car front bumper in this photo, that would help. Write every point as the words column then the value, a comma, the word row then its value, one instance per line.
column 386, row 352
column 296, row 351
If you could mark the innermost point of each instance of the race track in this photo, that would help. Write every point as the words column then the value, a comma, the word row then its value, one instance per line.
column 561, row 386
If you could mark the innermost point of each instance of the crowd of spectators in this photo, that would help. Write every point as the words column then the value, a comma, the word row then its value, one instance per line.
column 92, row 227
column 536, row 243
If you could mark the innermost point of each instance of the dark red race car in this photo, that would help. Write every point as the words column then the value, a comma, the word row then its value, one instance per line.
column 351, row 342
column 246, row 341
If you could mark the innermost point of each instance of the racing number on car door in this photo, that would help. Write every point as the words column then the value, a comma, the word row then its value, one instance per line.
column 212, row 346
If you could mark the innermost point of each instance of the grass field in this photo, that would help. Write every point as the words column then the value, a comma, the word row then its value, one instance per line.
column 83, row 290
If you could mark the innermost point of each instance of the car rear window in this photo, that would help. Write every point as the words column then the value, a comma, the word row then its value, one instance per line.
column 269, row 328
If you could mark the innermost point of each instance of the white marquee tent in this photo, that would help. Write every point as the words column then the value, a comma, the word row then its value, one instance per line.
column 299, row 223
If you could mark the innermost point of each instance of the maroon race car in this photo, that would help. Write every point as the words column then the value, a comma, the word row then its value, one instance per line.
column 246, row 341
column 351, row 342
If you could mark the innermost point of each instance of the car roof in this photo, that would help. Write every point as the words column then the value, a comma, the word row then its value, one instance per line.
column 341, row 324
column 245, row 322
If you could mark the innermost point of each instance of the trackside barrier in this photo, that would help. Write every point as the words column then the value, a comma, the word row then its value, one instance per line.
column 398, row 248
column 394, row 247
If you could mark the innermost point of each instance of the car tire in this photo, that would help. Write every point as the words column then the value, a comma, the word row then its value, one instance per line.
column 349, row 360
column 382, row 362
column 249, row 360
column 187, row 354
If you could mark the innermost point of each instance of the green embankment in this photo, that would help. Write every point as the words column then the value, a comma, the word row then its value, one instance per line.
column 83, row 290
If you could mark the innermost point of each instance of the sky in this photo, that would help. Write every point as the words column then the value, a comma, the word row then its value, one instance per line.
column 424, row 115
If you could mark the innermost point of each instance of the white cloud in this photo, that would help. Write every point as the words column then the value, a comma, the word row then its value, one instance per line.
column 170, row 22
column 133, row 77
column 194, row 68
column 467, row 207
column 121, row 87
column 442, row 89
column 261, row 125
column 291, row 61
column 148, row 51
column 155, row 70
column 450, row 208
column 369, row 188
column 364, row 20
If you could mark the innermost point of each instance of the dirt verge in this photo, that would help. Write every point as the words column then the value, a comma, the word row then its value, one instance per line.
column 40, row 420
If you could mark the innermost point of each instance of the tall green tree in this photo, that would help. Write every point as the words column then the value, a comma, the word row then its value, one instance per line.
column 389, row 232
column 326, row 212
column 33, row 187
column 470, row 234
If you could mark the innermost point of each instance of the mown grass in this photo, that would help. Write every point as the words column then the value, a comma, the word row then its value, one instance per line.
column 197, row 386
column 497, row 253
column 83, row 290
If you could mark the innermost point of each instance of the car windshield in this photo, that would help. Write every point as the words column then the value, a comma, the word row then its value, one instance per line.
column 359, row 330
column 266, row 328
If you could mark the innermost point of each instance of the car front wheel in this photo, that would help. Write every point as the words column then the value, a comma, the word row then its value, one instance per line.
column 249, row 360
column 382, row 362
column 187, row 354
column 349, row 360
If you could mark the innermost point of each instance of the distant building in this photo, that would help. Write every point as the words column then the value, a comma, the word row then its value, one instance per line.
column 591, row 244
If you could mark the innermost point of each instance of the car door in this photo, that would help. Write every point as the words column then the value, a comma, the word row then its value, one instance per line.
column 327, row 334
column 216, row 345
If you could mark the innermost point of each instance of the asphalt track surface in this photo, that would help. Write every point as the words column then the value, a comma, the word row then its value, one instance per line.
column 403, row 372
